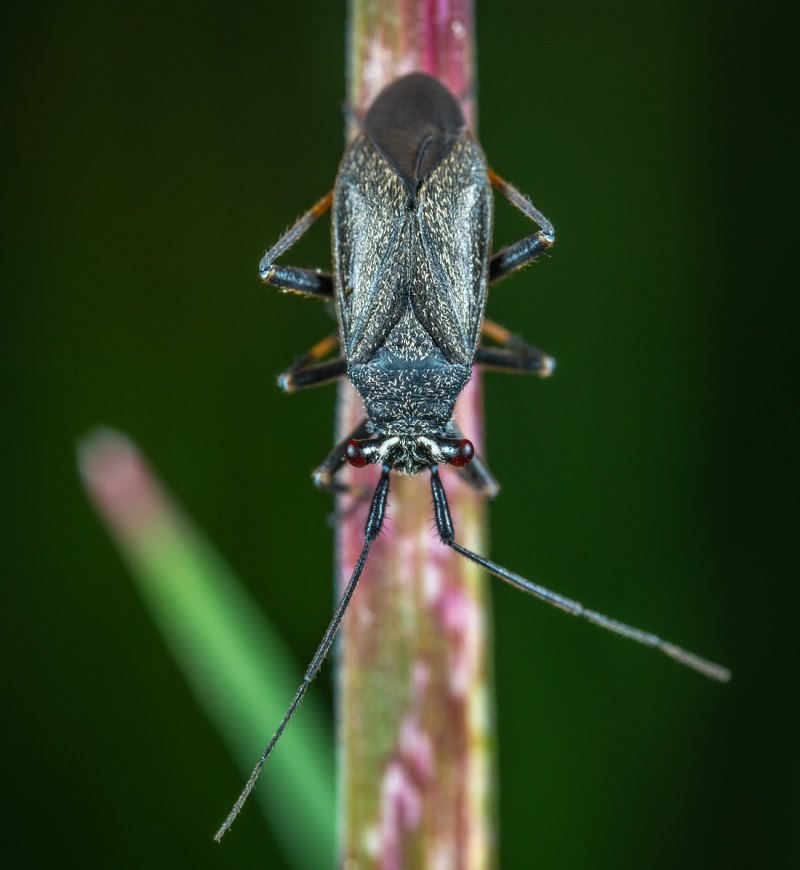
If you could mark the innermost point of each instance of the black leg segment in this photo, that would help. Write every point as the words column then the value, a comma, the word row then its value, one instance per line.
column 526, row 250
column 308, row 370
column 303, row 282
column 515, row 355
column 323, row 475
column 292, row 279
column 300, row 378
column 476, row 474
column 532, row 362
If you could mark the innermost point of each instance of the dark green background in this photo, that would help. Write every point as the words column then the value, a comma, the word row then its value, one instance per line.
column 156, row 149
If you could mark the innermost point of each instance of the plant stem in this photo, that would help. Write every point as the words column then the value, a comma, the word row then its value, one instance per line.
column 414, row 678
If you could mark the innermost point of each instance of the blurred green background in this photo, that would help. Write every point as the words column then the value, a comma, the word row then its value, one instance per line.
column 156, row 150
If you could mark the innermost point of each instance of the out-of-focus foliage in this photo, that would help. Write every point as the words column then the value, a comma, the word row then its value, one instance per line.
column 232, row 657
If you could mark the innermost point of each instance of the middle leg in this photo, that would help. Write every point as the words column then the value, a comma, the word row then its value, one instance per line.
column 514, row 355
column 309, row 370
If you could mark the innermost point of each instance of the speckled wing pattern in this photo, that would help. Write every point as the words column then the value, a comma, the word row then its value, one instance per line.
column 394, row 254
column 455, row 219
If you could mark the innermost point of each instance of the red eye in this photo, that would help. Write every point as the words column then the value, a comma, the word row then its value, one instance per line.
column 462, row 453
column 355, row 454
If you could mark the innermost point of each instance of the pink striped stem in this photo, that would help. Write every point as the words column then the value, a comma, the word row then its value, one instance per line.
column 414, row 678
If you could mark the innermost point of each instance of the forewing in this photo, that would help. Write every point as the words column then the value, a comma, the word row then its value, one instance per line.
column 369, row 202
column 455, row 219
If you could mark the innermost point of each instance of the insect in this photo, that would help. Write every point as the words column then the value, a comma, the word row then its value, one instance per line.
column 412, row 229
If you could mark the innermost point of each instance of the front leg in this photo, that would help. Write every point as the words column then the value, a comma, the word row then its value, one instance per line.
column 292, row 279
column 324, row 474
column 477, row 474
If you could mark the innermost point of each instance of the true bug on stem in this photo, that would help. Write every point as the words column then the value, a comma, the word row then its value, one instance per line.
column 412, row 228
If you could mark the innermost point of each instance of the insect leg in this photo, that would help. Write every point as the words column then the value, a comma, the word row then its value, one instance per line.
column 299, row 378
column 308, row 371
column 477, row 473
column 528, row 249
column 373, row 525
column 444, row 523
column 292, row 279
column 323, row 475
column 516, row 355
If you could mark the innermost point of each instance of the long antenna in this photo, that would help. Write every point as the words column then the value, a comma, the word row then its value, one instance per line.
column 444, row 523
column 373, row 525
